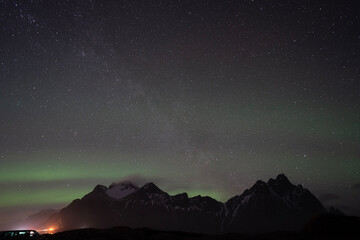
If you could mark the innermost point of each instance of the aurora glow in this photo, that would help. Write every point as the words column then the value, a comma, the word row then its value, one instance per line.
column 198, row 97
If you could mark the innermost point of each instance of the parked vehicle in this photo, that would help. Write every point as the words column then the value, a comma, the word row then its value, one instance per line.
column 20, row 234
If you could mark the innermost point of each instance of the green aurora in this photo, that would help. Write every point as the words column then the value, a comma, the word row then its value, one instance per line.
column 198, row 98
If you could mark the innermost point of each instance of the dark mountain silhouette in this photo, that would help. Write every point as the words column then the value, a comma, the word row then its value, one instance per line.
column 34, row 221
column 39, row 217
column 275, row 205
column 336, row 211
column 149, row 206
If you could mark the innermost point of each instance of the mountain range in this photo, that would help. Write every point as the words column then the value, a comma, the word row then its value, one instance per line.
column 266, row 206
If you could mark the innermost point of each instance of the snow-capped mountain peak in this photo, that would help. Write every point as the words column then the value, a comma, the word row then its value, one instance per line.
column 120, row 190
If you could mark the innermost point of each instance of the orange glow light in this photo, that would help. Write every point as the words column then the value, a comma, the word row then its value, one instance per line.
column 48, row 230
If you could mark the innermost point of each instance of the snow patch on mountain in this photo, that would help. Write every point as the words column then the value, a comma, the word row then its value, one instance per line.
column 120, row 190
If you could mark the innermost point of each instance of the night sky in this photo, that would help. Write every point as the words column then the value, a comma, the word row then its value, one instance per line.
column 198, row 96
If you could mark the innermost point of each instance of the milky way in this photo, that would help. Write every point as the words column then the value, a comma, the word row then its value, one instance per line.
column 198, row 96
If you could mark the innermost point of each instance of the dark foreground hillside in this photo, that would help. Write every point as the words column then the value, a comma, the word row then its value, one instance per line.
column 325, row 226
column 320, row 227
column 125, row 233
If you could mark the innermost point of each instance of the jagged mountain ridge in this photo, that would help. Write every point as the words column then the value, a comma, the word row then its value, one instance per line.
column 149, row 206
column 275, row 205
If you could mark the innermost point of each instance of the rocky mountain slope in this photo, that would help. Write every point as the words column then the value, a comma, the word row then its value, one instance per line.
column 266, row 206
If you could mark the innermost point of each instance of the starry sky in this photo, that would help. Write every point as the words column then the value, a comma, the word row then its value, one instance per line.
column 198, row 96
